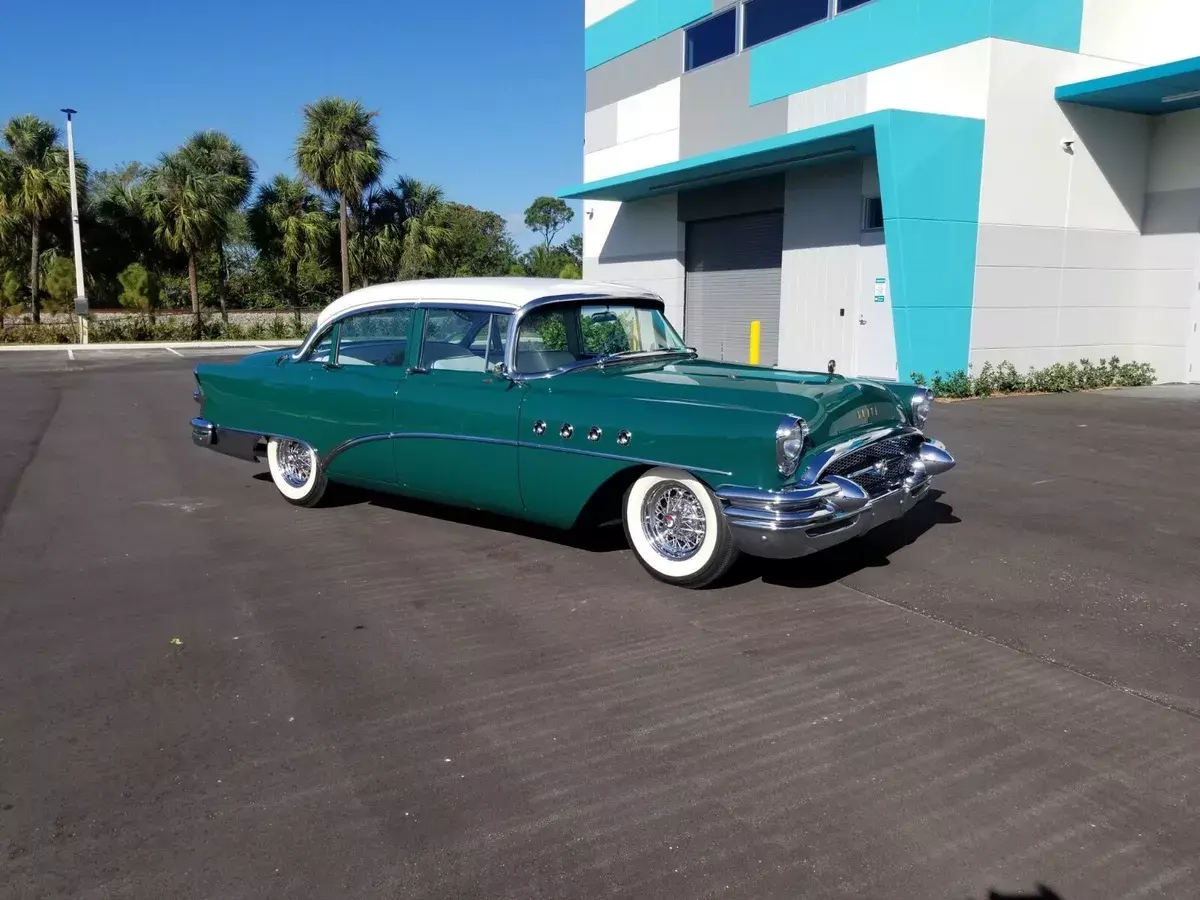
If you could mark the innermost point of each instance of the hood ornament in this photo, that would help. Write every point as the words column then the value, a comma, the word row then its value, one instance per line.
column 832, row 366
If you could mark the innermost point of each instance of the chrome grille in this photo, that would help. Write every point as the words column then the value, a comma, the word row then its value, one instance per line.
column 879, row 467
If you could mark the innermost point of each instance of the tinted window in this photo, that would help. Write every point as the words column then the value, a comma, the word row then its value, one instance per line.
column 712, row 39
column 872, row 214
column 766, row 19
column 377, row 338
column 847, row 5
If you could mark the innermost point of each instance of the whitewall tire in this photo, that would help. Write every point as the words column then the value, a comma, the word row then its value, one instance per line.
column 676, row 530
column 296, row 471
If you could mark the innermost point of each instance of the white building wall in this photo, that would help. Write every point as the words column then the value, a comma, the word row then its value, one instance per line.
column 641, row 242
column 638, row 243
column 1063, row 269
column 829, row 269
column 595, row 10
column 1148, row 32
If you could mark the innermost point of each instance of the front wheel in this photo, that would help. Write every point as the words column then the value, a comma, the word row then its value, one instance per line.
column 676, row 530
column 296, row 471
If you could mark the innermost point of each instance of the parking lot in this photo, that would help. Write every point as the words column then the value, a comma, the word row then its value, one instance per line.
column 386, row 699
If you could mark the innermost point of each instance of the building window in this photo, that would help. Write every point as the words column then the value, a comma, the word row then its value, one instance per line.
column 712, row 39
column 872, row 214
column 847, row 5
column 767, row 19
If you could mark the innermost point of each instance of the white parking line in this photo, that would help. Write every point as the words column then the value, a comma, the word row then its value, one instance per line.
column 173, row 350
column 70, row 354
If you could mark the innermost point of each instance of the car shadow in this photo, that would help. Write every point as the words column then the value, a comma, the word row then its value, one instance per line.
column 871, row 551
column 867, row 552
column 601, row 539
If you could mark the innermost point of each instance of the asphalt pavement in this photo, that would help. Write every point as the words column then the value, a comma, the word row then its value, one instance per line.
column 208, row 693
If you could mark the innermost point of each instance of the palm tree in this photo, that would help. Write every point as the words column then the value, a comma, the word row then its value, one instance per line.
column 217, row 154
column 376, row 241
column 188, row 204
column 34, row 185
column 338, row 150
column 423, row 225
column 287, row 220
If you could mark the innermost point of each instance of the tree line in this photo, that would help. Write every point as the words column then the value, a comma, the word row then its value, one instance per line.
column 198, row 228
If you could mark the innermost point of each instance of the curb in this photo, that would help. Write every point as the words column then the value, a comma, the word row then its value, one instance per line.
column 148, row 345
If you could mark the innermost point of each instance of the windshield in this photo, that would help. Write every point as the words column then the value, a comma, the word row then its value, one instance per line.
column 559, row 336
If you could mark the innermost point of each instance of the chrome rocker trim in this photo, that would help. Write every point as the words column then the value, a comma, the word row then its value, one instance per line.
column 808, row 518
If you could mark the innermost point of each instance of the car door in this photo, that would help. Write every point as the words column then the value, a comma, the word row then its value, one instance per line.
column 456, row 421
column 352, row 397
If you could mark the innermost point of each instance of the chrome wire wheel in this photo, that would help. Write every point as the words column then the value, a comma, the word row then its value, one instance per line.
column 295, row 463
column 673, row 521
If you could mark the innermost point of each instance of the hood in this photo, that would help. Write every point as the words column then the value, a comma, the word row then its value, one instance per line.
column 833, row 406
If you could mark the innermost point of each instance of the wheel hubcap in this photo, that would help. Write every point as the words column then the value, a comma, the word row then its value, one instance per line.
column 673, row 521
column 295, row 463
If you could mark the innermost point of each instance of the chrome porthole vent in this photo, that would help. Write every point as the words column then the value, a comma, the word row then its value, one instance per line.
column 594, row 433
column 566, row 431
column 539, row 427
column 624, row 437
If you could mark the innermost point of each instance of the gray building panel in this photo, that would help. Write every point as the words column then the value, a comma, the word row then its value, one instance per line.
column 632, row 73
column 748, row 196
column 600, row 128
column 715, row 110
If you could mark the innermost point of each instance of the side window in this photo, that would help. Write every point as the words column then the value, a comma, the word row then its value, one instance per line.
column 322, row 350
column 455, row 339
column 378, row 338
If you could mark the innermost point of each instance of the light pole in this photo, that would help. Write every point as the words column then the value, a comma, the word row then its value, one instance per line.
column 81, row 304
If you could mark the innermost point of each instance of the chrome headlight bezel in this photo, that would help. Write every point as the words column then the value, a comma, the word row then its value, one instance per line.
column 791, row 438
column 920, row 405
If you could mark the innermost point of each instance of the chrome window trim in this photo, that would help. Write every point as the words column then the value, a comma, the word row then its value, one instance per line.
column 646, row 300
column 482, row 307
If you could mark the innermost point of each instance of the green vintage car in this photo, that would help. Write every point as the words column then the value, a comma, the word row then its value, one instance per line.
column 568, row 403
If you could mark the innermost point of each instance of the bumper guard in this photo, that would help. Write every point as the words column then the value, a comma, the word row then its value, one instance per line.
column 805, row 519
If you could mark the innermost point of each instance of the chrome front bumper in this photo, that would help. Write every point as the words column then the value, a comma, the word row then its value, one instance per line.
column 239, row 444
column 805, row 519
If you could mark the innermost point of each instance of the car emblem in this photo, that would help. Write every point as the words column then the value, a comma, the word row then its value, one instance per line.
column 867, row 412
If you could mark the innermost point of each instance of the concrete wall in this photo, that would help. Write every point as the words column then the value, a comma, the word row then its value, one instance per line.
column 1063, row 269
column 638, row 243
column 1148, row 32
column 828, row 263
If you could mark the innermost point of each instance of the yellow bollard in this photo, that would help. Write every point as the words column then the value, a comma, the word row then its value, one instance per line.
column 755, row 341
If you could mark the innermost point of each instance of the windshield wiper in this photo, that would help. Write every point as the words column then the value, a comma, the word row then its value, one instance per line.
column 601, row 361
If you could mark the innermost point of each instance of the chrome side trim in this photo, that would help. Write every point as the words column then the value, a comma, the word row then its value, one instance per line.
column 230, row 441
column 504, row 442
column 407, row 435
column 578, row 451
column 816, row 466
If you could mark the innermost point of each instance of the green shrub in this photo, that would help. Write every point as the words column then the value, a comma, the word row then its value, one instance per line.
column 1003, row 378
column 28, row 333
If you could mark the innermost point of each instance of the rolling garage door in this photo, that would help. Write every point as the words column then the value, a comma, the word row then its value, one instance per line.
column 733, row 278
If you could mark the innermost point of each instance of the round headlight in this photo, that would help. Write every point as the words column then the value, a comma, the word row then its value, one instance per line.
column 922, row 401
column 790, row 439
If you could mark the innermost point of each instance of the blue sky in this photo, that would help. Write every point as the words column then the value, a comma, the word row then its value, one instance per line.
column 484, row 98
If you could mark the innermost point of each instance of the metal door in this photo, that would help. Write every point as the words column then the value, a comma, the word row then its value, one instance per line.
column 733, row 278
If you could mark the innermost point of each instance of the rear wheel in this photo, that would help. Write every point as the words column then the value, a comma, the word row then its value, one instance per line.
column 296, row 471
column 676, row 530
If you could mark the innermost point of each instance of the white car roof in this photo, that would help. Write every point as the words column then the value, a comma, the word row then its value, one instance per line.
column 511, row 292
